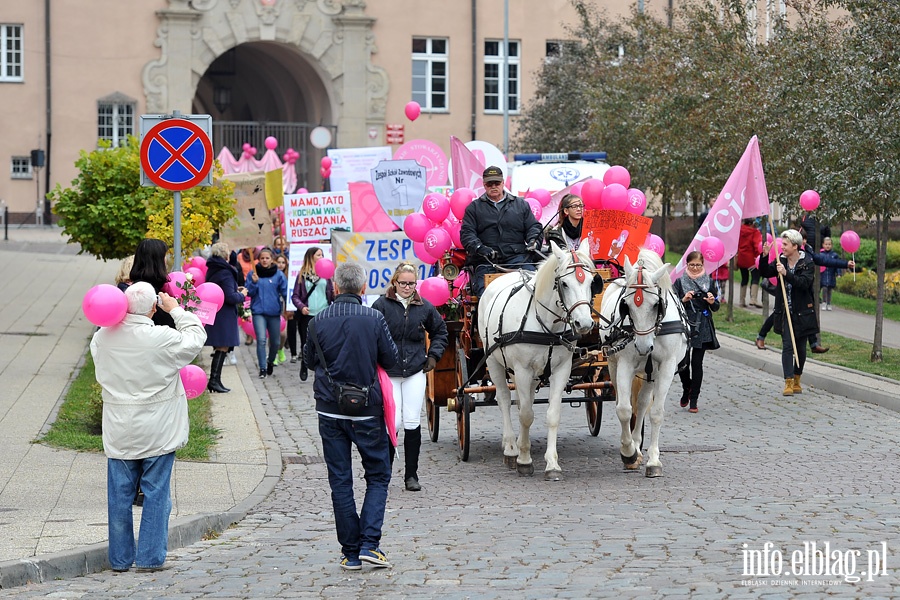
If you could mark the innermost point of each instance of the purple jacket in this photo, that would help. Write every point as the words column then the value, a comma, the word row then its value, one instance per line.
column 300, row 295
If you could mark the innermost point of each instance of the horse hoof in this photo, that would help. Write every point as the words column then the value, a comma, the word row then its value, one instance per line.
column 525, row 470
column 509, row 461
column 654, row 471
column 553, row 475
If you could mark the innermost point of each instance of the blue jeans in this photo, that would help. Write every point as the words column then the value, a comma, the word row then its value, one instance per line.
column 122, row 478
column 267, row 327
column 515, row 262
column 362, row 531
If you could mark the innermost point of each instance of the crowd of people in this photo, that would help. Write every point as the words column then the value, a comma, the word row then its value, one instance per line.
column 366, row 360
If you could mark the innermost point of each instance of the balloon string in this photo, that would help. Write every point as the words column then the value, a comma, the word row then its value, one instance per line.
column 853, row 255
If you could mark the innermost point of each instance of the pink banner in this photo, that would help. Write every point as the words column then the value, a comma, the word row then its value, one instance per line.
column 744, row 196
column 368, row 215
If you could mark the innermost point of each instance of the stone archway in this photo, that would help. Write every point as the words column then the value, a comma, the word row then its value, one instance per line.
column 334, row 38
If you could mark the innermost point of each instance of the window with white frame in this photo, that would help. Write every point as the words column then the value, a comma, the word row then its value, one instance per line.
column 115, row 118
column 20, row 167
column 430, row 60
column 493, row 76
column 11, row 53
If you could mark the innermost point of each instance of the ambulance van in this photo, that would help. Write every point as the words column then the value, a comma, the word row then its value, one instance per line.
column 554, row 171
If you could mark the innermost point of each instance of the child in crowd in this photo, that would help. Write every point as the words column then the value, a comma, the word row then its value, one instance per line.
column 828, row 278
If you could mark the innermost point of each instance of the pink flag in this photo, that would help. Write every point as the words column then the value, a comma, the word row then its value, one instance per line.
column 368, row 215
column 467, row 169
column 744, row 196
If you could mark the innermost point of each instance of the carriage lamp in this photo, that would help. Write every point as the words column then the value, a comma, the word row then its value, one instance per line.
column 449, row 270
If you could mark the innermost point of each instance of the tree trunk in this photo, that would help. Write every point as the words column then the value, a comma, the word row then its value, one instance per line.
column 882, row 225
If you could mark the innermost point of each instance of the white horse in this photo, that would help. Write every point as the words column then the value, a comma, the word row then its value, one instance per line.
column 647, row 332
column 525, row 320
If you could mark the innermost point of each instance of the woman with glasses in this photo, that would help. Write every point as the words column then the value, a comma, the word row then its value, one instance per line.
column 699, row 294
column 567, row 232
column 409, row 317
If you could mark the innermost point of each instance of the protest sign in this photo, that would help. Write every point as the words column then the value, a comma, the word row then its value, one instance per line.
column 311, row 217
column 400, row 188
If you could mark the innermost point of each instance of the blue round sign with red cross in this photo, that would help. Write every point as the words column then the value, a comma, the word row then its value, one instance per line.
column 176, row 154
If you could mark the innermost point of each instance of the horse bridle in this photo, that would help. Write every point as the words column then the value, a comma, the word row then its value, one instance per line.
column 639, row 288
column 581, row 272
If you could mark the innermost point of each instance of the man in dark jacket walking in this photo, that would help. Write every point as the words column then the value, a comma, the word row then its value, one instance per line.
column 498, row 230
column 354, row 339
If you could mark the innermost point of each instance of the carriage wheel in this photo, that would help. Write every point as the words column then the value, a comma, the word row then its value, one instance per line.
column 463, row 427
column 434, row 418
column 594, row 410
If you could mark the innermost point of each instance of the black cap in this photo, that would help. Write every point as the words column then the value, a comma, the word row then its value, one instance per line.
column 492, row 174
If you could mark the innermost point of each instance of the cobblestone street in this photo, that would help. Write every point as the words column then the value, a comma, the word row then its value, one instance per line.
column 751, row 468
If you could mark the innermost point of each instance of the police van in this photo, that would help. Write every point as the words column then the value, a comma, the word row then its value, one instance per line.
column 554, row 171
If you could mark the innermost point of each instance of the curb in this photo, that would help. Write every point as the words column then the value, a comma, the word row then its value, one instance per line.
column 183, row 532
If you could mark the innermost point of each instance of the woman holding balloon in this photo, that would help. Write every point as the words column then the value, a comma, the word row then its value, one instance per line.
column 222, row 334
column 409, row 317
column 267, row 288
column 312, row 293
column 796, row 321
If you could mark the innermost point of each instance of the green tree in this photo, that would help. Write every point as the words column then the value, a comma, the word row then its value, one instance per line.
column 108, row 212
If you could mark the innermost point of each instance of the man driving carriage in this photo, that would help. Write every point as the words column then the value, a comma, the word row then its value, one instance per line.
column 498, row 230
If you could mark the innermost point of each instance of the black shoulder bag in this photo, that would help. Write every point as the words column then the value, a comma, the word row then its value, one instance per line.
column 351, row 398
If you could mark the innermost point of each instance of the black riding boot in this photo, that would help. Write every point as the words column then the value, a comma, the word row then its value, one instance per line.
column 215, row 374
column 412, row 442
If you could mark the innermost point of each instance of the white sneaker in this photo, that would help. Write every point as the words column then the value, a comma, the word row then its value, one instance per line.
column 828, row 307
column 232, row 359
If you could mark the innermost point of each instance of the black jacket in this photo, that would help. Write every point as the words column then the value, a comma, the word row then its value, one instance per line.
column 507, row 229
column 803, row 304
column 354, row 339
column 699, row 314
column 408, row 327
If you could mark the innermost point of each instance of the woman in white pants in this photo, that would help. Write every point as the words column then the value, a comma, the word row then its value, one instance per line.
column 409, row 317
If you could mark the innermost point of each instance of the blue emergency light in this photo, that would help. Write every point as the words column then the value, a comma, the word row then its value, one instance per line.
column 560, row 157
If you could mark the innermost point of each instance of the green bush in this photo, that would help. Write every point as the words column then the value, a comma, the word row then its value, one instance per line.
column 867, row 255
column 865, row 285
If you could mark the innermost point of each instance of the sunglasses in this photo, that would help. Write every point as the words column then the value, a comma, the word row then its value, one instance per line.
column 492, row 183
column 407, row 283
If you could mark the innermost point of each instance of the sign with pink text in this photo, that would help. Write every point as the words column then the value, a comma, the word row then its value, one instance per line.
column 429, row 155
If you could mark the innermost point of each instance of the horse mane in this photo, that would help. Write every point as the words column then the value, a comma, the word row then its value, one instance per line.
column 545, row 276
column 652, row 262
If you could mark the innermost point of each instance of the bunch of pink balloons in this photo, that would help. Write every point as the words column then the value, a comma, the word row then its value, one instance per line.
column 194, row 380
column 249, row 150
column 104, row 305
column 290, row 157
column 612, row 192
column 436, row 229
column 325, row 167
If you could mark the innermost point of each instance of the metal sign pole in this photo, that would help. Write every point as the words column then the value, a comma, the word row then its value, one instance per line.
column 176, row 230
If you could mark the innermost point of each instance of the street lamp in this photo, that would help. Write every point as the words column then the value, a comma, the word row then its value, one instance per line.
column 222, row 98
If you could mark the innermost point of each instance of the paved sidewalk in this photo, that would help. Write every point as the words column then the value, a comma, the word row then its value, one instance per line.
column 53, row 502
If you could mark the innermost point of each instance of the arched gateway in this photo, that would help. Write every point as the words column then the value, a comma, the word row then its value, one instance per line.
column 268, row 63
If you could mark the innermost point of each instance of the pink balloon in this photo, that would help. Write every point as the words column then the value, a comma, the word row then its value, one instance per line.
column 655, row 243
column 617, row 174
column 576, row 189
column 104, row 305
column 460, row 199
column 194, row 380
column 245, row 146
column 422, row 253
column 211, row 292
column 436, row 207
column 637, row 202
column 326, row 162
column 171, row 288
column 416, row 226
column 437, row 241
column 325, row 173
column 591, row 193
column 850, row 241
column 614, row 197
column 412, row 110
column 535, row 207
column 196, row 274
column 271, row 143
column 283, row 324
column 435, row 290
column 460, row 283
column 302, row 191
column 541, row 195
column 809, row 200
column 454, row 230
column 773, row 280
column 247, row 327
column 712, row 249
column 324, row 268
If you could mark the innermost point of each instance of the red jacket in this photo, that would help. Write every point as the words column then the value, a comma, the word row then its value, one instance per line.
column 748, row 246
